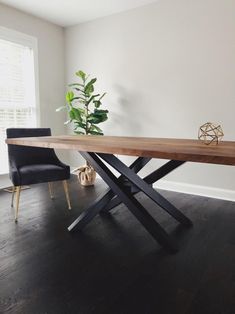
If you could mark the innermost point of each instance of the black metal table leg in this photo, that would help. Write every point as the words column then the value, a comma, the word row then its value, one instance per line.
column 104, row 199
column 150, row 179
column 139, row 163
column 88, row 214
column 132, row 204
column 163, row 171
column 146, row 188
column 136, row 166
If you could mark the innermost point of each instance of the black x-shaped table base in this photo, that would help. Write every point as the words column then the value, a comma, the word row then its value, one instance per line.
column 122, row 190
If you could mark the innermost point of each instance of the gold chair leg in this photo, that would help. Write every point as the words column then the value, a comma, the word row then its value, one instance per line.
column 66, row 190
column 50, row 186
column 12, row 197
column 17, row 189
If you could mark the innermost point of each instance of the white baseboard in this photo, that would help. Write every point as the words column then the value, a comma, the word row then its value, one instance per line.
column 196, row 190
column 187, row 188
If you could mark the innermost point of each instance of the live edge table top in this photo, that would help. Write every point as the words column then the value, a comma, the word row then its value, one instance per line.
column 164, row 148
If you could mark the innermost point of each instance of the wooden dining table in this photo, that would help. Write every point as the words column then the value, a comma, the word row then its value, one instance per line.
column 100, row 151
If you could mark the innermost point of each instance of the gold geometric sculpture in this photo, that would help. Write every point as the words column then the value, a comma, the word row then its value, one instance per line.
column 210, row 133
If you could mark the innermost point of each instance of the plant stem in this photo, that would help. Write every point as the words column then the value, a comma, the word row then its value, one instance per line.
column 86, row 131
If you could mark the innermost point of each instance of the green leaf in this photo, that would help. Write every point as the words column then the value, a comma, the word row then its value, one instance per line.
column 81, row 110
column 82, row 75
column 100, row 111
column 69, row 96
column 89, row 88
column 95, row 128
column 67, row 122
column 96, row 118
column 95, row 133
column 76, row 114
column 80, row 124
column 71, row 114
column 92, row 81
column 97, row 103
column 78, row 132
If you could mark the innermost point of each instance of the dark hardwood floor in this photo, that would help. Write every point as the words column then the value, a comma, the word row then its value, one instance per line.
column 114, row 266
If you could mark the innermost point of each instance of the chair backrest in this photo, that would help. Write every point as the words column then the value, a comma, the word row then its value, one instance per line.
column 25, row 155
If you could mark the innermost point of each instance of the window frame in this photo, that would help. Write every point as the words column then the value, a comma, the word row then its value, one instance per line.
column 31, row 42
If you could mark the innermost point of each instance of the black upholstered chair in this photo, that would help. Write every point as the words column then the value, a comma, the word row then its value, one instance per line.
column 31, row 165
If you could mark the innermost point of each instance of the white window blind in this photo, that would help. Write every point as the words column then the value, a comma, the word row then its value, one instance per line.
column 17, row 92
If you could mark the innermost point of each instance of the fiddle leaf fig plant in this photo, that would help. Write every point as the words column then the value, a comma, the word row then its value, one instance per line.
column 83, row 106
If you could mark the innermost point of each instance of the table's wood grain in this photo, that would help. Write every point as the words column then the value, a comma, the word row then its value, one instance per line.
column 165, row 148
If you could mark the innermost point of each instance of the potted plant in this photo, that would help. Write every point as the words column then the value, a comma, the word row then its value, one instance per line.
column 83, row 107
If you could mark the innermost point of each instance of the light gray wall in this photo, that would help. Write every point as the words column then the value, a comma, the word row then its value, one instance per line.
column 167, row 68
column 51, row 47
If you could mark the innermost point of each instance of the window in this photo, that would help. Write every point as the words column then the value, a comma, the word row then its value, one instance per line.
column 17, row 87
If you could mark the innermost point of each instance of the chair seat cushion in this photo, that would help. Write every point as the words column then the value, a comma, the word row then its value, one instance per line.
column 39, row 173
